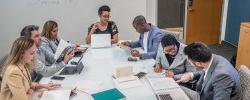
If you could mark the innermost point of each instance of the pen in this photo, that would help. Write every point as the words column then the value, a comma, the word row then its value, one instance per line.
column 81, row 91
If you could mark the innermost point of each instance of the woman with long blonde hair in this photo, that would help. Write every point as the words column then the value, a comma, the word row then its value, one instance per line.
column 50, row 41
column 17, row 83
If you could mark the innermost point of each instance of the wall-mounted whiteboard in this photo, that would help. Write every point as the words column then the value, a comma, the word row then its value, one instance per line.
column 73, row 16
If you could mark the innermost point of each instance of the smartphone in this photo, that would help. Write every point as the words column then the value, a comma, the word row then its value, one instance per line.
column 57, row 78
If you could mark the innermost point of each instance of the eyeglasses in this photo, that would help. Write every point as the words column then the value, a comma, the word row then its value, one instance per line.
column 106, row 16
column 169, row 50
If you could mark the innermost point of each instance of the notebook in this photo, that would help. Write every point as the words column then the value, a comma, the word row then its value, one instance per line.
column 101, row 40
column 111, row 94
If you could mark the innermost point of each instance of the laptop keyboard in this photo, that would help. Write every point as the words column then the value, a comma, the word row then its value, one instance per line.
column 165, row 97
column 68, row 70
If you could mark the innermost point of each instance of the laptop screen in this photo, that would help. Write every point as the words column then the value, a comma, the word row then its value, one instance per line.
column 80, row 60
column 100, row 40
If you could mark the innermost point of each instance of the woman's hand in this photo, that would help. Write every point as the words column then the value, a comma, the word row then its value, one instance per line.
column 169, row 73
column 93, row 29
column 30, row 91
column 52, row 86
column 80, row 49
column 68, row 56
column 158, row 68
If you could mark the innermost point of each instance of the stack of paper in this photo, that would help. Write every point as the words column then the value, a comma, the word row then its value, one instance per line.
column 56, row 95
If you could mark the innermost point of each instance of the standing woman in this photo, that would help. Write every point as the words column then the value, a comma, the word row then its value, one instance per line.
column 104, row 26
column 17, row 83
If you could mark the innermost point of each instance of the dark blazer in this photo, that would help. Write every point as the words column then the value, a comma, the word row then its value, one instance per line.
column 222, row 81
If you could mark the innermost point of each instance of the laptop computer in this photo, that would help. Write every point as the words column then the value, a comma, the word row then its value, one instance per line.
column 100, row 40
column 164, row 97
column 73, row 69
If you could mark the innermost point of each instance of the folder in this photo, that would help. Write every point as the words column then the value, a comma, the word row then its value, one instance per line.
column 111, row 94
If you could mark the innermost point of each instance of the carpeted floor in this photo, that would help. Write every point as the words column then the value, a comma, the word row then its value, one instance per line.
column 226, row 50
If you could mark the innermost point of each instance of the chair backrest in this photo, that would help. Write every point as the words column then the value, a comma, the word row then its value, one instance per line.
column 2, row 60
column 245, row 82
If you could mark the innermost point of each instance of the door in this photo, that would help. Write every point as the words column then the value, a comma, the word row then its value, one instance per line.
column 203, row 21
column 171, row 13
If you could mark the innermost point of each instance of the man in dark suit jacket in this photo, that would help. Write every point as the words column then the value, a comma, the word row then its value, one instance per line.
column 218, row 79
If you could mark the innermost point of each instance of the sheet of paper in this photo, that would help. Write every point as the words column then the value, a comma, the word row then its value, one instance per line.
column 162, row 83
column 139, row 68
column 89, row 86
column 56, row 95
column 127, row 84
column 62, row 45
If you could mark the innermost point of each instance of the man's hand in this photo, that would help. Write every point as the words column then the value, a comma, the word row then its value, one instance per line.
column 169, row 73
column 135, row 53
column 185, row 78
column 126, row 43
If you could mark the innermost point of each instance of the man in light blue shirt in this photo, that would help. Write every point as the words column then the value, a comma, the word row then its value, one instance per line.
column 31, row 31
column 149, row 40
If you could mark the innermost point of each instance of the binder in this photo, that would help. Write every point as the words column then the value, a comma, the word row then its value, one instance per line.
column 111, row 94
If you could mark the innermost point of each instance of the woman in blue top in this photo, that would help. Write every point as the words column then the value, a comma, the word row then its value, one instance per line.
column 104, row 26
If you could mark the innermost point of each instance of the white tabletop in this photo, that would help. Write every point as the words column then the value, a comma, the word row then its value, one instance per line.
column 99, row 66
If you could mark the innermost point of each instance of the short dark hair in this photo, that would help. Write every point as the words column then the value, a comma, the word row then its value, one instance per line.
column 139, row 20
column 26, row 31
column 198, row 51
column 168, row 40
column 103, row 8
